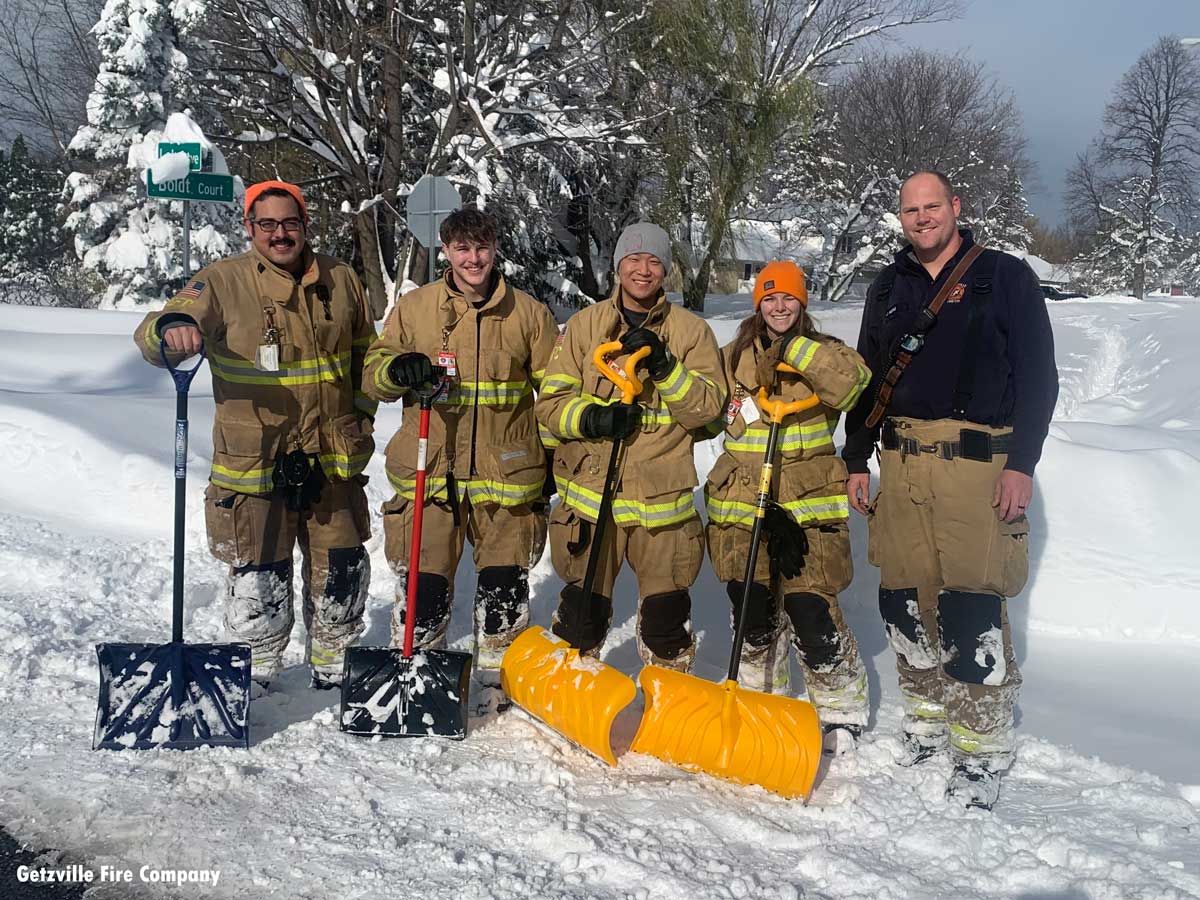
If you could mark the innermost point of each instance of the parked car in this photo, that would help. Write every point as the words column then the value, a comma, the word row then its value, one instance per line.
column 1053, row 293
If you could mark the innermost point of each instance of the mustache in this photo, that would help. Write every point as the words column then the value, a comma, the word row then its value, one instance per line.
column 282, row 242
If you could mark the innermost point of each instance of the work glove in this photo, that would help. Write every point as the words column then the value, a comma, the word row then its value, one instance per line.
column 617, row 420
column 787, row 544
column 764, row 369
column 411, row 370
column 549, row 486
column 660, row 361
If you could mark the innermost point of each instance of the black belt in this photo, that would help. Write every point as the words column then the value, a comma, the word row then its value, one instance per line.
column 972, row 444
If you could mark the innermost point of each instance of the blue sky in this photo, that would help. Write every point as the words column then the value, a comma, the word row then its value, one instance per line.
column 1061, row 59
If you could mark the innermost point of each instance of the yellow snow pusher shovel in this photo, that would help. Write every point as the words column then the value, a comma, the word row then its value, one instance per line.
column 736, row 734
column 578, row 696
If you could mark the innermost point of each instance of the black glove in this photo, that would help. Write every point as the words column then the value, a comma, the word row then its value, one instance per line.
column 411, row 370
column 549, row 486
column 787, row 544
column 617, row 420
column 660, row 361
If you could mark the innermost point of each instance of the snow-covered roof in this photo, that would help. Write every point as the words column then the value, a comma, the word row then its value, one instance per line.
column 755, row 240
column 1047, row 272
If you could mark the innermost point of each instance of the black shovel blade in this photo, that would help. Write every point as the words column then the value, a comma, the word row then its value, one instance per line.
column 173, row 696
column 424, row 695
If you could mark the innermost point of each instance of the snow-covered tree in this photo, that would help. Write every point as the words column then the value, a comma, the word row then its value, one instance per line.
column 30, row 237
column 505, row 98
column 1137, row 184
column 141, row 95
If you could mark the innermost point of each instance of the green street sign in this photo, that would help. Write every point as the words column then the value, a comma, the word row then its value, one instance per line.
column 192, row 149
column 203, row 186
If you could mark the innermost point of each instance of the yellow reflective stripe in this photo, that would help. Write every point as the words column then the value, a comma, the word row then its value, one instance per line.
column 864, row 378
column 536, row 377
column 307, row 371
column 549, row 441
column 248, row 481
column 922, row 708
column 801, row 436
column 571, row 417
column 677, row 383
column 800, row 352
column 339, row 465
column 383, row 383
column 849, row 696
column 365, row 404
column 150, row 333
column 808, row 510
column 968, row 741
column 556, row 384
column 319, row 656
column 485, row 393
column 628, row 511
column 476, row 490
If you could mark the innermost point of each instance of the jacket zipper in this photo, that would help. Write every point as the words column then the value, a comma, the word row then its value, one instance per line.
column 475, row 401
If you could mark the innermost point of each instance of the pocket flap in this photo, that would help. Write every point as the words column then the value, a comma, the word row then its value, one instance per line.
column 401, row 455
column 255, row 441
column 521, row 462
column 667, row 477
column 813, row 476
column 723, row 469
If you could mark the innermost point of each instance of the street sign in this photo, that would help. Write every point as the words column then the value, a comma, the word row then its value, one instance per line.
column 432, row 199
column 196, row 186
column 192, row 149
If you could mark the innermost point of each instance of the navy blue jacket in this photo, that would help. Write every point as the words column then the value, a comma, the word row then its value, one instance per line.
column 1016, row 380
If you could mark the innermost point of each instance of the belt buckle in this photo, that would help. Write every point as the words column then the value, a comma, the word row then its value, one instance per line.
column 909, row 447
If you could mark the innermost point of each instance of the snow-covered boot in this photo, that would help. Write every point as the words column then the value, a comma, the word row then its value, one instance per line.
column 487, row 697
column 840, row 739
column 918, row 746
column 975, row 782
column 766, row 668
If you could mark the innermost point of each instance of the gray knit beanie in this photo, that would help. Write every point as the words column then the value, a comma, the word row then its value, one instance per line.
column 644, row 237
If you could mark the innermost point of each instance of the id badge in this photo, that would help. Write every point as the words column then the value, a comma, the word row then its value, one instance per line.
column 267, row 358
column 731, row 410
column 749, row 411
column 448, row 361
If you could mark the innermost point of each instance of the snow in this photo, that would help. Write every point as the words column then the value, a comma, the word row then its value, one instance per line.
column 1102, row 801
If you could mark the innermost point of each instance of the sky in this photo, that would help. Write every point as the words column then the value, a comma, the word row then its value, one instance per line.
column 1061, row 60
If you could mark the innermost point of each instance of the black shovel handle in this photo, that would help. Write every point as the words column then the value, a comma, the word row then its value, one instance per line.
column 764, row 496
column 183, row 380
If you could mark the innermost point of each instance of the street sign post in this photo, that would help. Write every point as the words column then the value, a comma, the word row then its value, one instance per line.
column 198, row 184
column 433, row 198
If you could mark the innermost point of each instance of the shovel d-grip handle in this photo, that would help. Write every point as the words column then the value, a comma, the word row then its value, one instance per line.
column 628, row 382
column 776, row 410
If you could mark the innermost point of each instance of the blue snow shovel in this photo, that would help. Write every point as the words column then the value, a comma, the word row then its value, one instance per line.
column 174, row 696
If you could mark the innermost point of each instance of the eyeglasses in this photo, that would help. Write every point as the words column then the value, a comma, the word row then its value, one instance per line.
column 291, row 225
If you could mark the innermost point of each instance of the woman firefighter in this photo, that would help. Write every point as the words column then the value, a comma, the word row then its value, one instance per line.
column 808, row 561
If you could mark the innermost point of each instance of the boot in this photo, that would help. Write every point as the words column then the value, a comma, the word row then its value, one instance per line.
column 766, row 668
column 840, row 739
column 974, row 782
column 916, row 747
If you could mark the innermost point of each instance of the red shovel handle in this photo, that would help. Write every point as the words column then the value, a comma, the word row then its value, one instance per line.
column 414, row 553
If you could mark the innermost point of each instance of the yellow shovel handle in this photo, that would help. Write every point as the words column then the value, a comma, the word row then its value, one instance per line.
column 628, row 382
column 775, row 410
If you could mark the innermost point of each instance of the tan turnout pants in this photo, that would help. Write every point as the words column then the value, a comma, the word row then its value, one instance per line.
column 947, row 564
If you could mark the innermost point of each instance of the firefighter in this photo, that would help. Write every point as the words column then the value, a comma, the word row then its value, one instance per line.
column 286, row 331
column 964, row 408
column 794, row 594
column 486, row 463
column 654, row 521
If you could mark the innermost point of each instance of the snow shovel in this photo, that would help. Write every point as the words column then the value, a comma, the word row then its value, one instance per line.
column 578, row 696
column 174, row 696
column 399, row 693
column 739, row 735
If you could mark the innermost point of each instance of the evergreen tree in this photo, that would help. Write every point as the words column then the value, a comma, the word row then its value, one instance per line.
column 30, row 237
column 130, row 240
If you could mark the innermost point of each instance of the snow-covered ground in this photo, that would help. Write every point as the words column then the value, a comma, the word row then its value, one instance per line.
column 1102, row 802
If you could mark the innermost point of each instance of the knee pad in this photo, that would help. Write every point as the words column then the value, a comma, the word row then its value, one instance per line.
column 346, row 584
column 972, row 637
column 762, row 622
column 816, row 634
column 433, row 601
column 583, row 625
column 259, row 599
column 501, row 598
column 898, row 606
column 663, row 623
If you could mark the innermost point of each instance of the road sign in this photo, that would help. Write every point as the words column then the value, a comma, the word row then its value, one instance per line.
column 195, row 186
column 432, row 199
column 195, row 155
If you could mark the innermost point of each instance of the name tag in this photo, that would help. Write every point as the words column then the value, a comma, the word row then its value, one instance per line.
column 731, row 410
column 267, row 358
column 447, row 360
column 749, row 411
